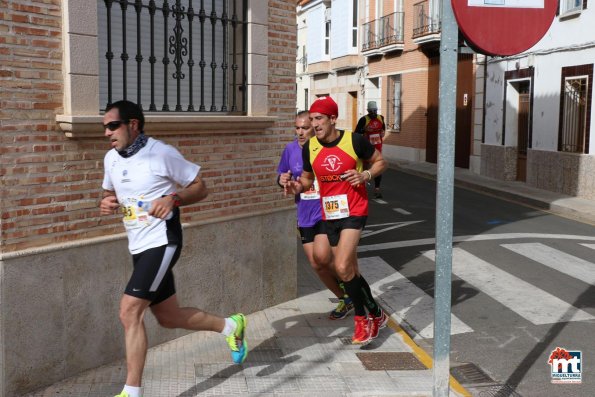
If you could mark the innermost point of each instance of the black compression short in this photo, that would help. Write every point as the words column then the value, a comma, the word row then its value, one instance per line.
column 152, row 278
column 334, row 227
column 308, row 233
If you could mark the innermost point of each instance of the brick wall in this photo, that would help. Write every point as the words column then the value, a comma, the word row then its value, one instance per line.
column 282, row 55
column 412, row 64
column 414, row 97
column 50, row 185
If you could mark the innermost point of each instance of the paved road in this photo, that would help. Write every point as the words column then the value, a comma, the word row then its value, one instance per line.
column 523, row 284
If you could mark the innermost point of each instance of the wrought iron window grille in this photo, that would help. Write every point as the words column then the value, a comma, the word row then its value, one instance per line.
column 211, row 36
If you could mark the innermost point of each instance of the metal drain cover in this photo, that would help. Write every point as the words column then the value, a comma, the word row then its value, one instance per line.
column 470, row 374
column 390, row 361
column 494, row 391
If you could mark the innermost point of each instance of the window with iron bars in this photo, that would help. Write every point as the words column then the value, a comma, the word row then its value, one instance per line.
column 178, row 56
column 575, row 113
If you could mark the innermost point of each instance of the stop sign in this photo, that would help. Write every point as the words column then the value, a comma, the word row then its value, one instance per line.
column 503, row 27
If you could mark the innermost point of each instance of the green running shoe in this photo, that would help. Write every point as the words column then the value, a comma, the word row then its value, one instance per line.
column 123, row 394
column 344, row 307
column 236, row 341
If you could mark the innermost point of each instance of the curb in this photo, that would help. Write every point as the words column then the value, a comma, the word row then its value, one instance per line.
column 424, row 357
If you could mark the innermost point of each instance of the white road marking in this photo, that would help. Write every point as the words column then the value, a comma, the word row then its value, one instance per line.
column 459, row 239
column 404, row 299
column 380, row 201
column 530, row 302
column 371, row 226
column 402, row 211
column 555, row 259
column 394, row 225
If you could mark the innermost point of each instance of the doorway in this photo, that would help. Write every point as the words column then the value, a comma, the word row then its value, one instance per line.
column 523, row 130
column 464, row 121
column 354, row 118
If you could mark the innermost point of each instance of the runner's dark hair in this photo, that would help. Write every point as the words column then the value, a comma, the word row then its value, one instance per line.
column 128, row 111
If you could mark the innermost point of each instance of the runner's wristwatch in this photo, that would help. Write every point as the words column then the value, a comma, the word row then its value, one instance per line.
column 177, row 201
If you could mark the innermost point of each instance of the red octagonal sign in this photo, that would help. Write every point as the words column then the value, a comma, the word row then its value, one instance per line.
column 504, row 27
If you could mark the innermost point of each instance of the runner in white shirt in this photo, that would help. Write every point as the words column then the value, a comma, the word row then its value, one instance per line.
column 146, row 181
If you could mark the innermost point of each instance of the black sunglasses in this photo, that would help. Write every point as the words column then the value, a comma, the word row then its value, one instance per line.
column 114, row 125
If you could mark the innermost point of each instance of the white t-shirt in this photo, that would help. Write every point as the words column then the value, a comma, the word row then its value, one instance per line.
column 152, row 172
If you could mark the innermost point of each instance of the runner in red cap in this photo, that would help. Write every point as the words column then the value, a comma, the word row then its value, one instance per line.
column 373, row 128
column 336, row 158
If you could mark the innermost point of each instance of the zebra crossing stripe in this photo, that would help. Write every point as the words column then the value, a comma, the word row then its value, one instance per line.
column 592, row 246
column 391, row 226
column 560, row 261
column 474, row 237
column 408, row 302
column 523, row 298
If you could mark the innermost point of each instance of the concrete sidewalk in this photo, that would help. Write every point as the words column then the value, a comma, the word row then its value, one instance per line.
column 295, row 350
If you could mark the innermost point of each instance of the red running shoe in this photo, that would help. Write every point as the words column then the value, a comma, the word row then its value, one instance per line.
column 377, row 323
column 361, row 334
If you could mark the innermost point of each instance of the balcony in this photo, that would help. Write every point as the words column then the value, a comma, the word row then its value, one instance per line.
column 383, row 35
column 426, row 21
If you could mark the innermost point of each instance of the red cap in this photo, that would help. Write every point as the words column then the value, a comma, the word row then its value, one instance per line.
column 325, row 105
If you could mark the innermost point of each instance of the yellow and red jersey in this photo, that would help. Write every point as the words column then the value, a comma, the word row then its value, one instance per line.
column 328, row 162
column 373, row 129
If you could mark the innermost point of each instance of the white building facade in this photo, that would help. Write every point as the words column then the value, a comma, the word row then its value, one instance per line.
column 537, row 120
column 328, row 60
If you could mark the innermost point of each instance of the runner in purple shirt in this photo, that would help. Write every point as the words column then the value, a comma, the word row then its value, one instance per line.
column 309, row 215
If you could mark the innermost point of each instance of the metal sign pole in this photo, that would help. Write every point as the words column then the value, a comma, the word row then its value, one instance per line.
column 444, row 199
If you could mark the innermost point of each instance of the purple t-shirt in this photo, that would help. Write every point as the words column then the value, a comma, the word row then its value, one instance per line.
column 309, row 209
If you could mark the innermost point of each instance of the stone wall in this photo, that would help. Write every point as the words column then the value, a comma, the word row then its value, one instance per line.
column 498, row 162
column 567, row 173
column 60, row 303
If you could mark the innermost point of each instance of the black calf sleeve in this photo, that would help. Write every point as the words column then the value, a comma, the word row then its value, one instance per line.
column 354, row 289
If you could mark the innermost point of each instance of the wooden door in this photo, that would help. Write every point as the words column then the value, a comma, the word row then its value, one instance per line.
column 432, row 111
column 464, row 121
column 464, row 111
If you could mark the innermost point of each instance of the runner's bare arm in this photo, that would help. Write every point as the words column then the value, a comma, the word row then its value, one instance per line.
column 377, row 165
column 109, row 203
column 303, row 183
column 193, row 193
column 284, row 178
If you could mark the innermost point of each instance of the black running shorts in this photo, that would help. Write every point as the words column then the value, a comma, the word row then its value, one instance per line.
column 152, row 278
column 334, row 227
column 308, row 233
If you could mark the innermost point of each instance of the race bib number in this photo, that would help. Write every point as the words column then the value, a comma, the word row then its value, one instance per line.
column 135, row 217
column 375, row 139
column 335, row 207
column 313, row 193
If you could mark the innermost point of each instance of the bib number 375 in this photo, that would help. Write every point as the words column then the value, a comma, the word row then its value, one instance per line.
column 335, row 207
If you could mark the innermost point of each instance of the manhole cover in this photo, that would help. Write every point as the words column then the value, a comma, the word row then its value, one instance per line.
column 495, row 391
column 470, row 374
column 390, row 361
